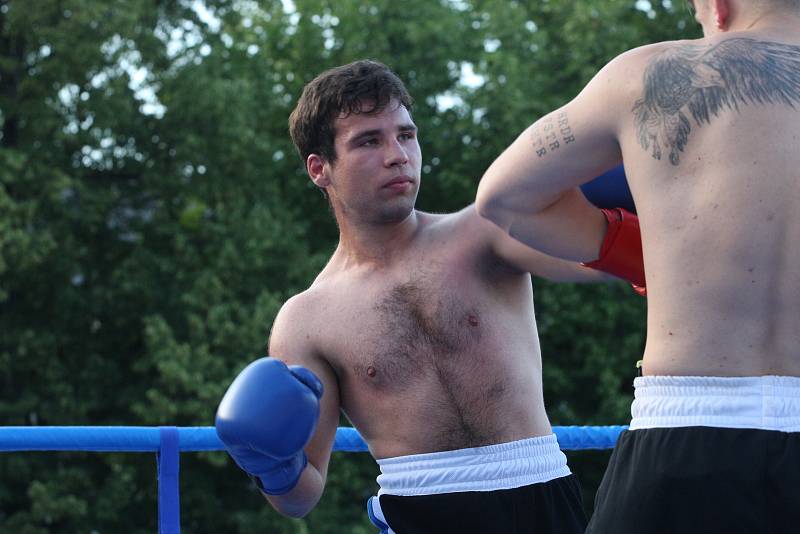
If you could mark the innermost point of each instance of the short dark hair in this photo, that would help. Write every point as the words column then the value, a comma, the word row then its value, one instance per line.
column 363, row 86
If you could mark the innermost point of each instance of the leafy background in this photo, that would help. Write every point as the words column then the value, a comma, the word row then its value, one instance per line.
column 154, row 216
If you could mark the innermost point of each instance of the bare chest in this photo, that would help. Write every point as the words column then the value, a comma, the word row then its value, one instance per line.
column 421, row 329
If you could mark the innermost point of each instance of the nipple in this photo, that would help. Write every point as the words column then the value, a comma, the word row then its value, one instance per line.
column 371, row 372
column 473, row 321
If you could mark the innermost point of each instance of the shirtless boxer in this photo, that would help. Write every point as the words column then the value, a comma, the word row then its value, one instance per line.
column 420, row 330
column 709, row 132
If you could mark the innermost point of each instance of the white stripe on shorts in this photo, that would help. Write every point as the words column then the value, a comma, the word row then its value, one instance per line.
column 757, row 402
column 493, row 467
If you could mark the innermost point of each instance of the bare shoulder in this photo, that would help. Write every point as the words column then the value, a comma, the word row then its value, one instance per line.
column 293, row 335
column 490, row 241
column 627, row 70
column 468, row 219
column 488, row 245
column 464, row 226
column 689, row 84
column 640, row 56
column 719, row 61
column 737, row 44
column 452, row 228
column 468, row 227
column 622, row 76
column 463, row 234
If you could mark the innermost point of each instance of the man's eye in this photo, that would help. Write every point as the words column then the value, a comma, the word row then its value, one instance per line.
column 406, row 136
column 369, row 142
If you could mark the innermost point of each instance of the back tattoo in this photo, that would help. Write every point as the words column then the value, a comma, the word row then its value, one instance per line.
column 707, row 80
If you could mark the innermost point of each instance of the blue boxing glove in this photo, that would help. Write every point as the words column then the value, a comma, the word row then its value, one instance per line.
column 265, row 419
column 610, row 190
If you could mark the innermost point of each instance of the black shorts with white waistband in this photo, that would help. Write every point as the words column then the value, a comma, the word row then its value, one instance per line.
column 705, row 455
column 552, row 507
column 520, row 487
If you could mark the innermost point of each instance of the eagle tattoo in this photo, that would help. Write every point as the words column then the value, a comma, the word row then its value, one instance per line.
column 702, row 81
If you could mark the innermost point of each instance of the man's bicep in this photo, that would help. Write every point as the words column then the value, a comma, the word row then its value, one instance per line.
column 596, row 119
column 564, row 149
column 293, row 341
column 575, row 143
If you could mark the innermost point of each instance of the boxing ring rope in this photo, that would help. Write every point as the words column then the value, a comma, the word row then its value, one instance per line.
column 168, row 442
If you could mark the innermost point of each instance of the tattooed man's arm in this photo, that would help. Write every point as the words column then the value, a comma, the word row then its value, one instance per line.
column 531, row 191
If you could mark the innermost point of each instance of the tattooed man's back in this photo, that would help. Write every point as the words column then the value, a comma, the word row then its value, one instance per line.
column 709, row 132
column 712, row 151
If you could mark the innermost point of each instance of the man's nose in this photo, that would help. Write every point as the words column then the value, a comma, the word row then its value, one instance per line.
column 396, row 154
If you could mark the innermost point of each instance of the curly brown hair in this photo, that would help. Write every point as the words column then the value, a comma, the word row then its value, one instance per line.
column 364, row 86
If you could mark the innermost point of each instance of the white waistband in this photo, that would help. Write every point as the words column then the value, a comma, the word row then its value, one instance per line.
column 759, row 402
column 493, row 467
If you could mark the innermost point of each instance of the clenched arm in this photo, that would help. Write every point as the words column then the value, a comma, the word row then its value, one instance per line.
column 531, row 190
column 293, row 342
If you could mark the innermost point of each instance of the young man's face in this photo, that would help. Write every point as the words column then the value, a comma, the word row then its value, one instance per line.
column 376, row 175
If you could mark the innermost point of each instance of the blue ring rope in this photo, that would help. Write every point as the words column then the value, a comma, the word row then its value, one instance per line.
column 169, row 442
column 148, row 439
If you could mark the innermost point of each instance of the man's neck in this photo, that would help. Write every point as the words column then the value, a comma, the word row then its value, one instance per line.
column 773, row 21
column 375, row 244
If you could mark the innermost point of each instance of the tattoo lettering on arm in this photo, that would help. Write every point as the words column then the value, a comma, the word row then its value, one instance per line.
column 551, row 133
column 703, row 81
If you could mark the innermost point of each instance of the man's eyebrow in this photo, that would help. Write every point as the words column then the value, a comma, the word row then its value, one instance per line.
column 408, row 127
column 365, row 133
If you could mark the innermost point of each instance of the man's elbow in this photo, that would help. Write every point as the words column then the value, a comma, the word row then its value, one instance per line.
column 294, row 513
column 292, row 510
column 491, row 207
column 298, row 503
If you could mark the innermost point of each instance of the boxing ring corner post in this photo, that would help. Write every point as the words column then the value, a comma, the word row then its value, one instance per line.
column 168, row 442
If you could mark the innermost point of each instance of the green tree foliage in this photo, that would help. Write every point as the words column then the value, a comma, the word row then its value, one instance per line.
column 154, row 216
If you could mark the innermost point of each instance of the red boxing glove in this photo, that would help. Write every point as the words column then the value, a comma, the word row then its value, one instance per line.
column 621, row 253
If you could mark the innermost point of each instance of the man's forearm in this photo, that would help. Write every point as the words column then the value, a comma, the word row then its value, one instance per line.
column 570, row 228
column 303, row 497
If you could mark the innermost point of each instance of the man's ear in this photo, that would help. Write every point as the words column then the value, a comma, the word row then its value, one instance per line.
column 317, row 170
column 722, row 12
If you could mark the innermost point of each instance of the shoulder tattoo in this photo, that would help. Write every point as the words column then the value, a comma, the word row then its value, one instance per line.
column 702, row 81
